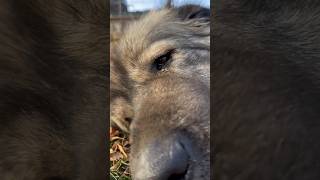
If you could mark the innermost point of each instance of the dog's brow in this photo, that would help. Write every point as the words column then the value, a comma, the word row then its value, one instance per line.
column 156, row 49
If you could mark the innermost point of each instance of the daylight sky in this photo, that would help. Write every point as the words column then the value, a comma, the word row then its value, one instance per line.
column 140, row 5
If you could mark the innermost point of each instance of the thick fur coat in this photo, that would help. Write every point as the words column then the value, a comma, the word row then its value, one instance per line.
column 169, row 131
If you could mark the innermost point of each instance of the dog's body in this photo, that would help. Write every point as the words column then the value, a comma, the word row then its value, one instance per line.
column 166, row 58
column 266, row 122
column 52, row 89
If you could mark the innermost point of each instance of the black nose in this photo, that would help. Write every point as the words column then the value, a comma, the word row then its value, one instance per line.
column 163, row 159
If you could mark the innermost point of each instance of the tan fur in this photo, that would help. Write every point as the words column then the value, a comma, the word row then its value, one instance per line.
column 120, row 108
column 175, row 99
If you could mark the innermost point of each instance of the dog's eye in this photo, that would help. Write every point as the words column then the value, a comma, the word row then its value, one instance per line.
column 161, row 61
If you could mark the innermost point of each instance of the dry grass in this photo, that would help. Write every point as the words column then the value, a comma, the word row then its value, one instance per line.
column 119, row 155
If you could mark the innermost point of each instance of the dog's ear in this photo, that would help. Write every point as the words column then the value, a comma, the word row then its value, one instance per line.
column 188, row 12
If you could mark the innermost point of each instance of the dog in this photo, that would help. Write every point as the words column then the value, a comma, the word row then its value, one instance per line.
column 164, row 60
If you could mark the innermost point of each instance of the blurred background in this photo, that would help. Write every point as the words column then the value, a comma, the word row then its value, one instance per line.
column 124, row 11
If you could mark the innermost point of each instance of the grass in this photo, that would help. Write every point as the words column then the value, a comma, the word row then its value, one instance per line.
column 119, row 155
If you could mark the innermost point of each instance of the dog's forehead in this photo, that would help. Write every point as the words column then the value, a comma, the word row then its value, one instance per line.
column 158, row 26
column 148, row 29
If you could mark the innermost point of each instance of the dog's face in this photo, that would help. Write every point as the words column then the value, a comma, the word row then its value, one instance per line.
column 166, row 56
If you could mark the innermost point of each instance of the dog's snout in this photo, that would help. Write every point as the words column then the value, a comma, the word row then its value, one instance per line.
column 164, row 159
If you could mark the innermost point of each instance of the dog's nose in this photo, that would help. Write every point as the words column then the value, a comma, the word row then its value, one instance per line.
column 164, row 159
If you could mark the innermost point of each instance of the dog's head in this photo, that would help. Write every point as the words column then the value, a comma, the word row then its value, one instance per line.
column 166, row 56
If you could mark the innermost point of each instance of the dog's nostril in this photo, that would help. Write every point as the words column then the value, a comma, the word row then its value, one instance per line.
column 177, row 176
column 181, row 175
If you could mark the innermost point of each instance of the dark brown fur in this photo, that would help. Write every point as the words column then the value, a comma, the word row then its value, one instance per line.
column 266, row 90
column 52, row 89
